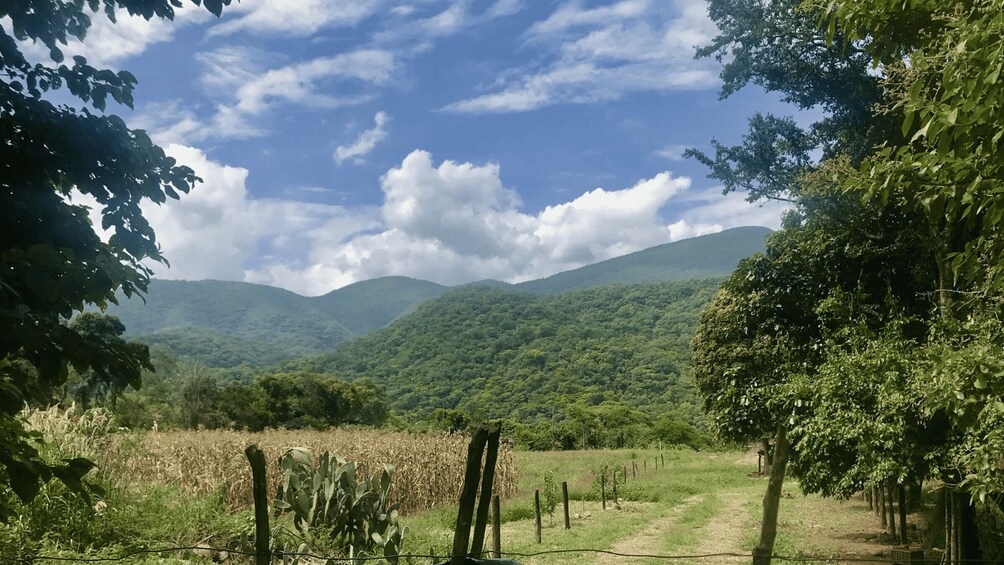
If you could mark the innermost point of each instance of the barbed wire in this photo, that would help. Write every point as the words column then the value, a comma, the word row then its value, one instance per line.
column 405, row 556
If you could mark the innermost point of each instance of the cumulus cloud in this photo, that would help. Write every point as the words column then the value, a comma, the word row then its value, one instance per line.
column 447, row 222
column 366, row 142
column 604, row 53
column 457, row 222
column 108, row 44
column 217, row 231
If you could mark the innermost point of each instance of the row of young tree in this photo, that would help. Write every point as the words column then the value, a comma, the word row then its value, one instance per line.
column 868, row 338
column 182, row 393
column 609, row 425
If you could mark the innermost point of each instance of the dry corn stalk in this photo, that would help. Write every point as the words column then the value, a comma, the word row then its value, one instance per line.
column 429, row 468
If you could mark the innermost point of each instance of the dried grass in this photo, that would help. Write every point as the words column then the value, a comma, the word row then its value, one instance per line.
column 428, row 469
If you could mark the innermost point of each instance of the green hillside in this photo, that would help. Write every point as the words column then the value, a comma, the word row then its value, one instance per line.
column 225, row 324
column 368, row 305
column 515, row 354
column 264, row 315
column 714, row 255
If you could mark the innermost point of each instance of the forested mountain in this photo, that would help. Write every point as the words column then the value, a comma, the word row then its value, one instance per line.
column 713, row 255
column 505, row 353
column 225, row 323
column 368, row 305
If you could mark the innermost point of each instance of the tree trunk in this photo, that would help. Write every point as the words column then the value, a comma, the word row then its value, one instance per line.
column 891, row 497
column 969, row 540
column 772, row 499
column 882, row 506
column 901, row 496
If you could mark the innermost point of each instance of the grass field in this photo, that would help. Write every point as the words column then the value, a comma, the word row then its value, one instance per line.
column 184, row 489
column 700, row 503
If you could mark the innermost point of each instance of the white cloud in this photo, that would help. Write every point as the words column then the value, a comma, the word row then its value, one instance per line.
column 605, row 53
column 672, row 152
column 218, row 230
column 365, row 143
column 297, row 18
column 457, row 222
column 108, row 44
column 256, row 93
column 451, row 223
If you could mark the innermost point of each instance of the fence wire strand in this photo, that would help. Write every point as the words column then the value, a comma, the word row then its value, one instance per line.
column 405, row 556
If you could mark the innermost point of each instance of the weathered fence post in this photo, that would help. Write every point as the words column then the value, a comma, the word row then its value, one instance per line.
column 613, row 475
column 536, row 513
column 496, row 527
column 634, row 470
column 564, row 497
column 259, row 490
column 468, row 494
column 625, row 475
column 663, row 457
column 603, row 490
column 487, row 481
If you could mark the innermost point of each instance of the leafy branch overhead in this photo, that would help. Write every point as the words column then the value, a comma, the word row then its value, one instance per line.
column 52, row 261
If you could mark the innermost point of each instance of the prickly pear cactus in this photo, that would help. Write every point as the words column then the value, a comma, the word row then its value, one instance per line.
column 335, row 499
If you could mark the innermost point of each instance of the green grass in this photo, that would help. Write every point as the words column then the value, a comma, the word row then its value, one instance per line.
column 650, row 496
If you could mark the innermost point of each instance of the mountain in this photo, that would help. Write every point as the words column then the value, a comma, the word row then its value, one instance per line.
column 248, row 318
column 714, row 255
column 368, row 305
column 506, row 353
column 225, row 323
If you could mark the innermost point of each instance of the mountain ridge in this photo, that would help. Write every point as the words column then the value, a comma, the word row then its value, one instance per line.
column 265, row 324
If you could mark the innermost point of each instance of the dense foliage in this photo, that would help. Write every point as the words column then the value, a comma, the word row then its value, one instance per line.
column 187, row 395
column 894, row 249
column 576, row 363
column 226, row 324
column 52, row 262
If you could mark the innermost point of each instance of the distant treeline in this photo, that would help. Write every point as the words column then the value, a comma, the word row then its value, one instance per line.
column 601, row 368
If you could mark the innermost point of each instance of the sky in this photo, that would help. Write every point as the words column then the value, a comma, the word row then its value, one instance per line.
column 446, row 140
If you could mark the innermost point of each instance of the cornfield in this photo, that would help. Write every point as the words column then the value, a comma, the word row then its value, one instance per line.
column 428, row 469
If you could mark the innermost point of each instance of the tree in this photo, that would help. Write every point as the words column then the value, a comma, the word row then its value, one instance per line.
column 52, row 262
column 104, row 333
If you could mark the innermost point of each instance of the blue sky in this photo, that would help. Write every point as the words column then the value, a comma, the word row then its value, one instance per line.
column 448, row 140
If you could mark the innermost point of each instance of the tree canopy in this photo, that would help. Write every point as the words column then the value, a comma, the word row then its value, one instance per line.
column 893, row 246
column 52, row 261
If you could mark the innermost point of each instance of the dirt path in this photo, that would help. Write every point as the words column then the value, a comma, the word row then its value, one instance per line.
column 724, row 533
column 649, row 540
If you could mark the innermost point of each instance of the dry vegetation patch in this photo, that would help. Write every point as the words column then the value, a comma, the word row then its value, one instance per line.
column 428, row 468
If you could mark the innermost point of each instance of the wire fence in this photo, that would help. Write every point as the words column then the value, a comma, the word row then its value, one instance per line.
column 406, row 556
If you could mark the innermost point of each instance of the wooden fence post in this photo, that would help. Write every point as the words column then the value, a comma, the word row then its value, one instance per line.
column 468, row 494
column 634, row 470
column 496, row 527
column 564, row 497
column 536, row 513
column 663, row 457
column 487, row 481
column 603, row 490
column 625, row 475
column 613, row 475
column 259, row 490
